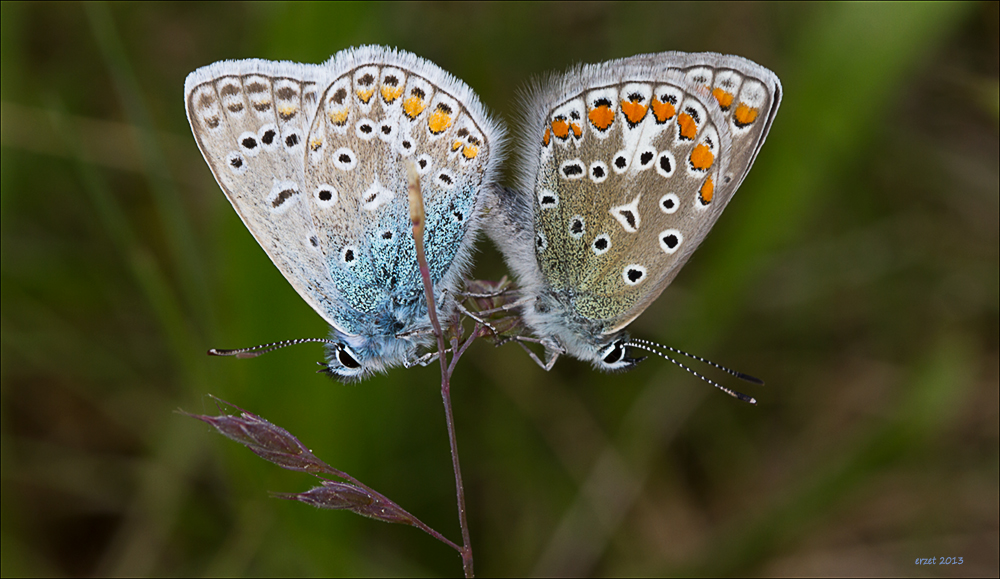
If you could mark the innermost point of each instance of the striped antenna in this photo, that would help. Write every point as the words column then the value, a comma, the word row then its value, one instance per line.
column 651, row 347
column 265, row 348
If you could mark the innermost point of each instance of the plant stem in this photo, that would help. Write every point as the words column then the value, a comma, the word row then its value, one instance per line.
column 417, row 221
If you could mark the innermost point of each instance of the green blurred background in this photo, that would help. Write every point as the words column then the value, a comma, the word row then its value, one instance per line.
column 856, row 271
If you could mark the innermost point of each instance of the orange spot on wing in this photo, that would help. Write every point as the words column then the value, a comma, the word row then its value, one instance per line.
column 634, row 111
column 470, row 152
column 339, row 117
column 391, row 93
column 315, row 144
column 744, row 115
column 702, row 157
column 560, row 128
column 663, row 111
column 577, row 130
column 706, row 191
column 365, row 94
column 413, row 106
column 438, row 121
column 724, row 97
column 456, row 145
column 689, row 128
column 547, row 136
column 601, row 117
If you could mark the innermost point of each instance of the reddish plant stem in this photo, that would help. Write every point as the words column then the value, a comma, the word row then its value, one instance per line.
column 423, row 527
column 465, row 346
column 417, row 221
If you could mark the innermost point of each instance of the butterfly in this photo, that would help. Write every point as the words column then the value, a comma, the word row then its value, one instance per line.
column 313, row 158
column 624, row 168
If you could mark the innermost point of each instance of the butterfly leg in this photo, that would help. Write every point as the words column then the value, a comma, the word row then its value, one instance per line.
column 499, row 288
column 552, row 351
column 424, row 360
column 416, row 332
column 550, row 356
column 476, row 318
column 493, row 294
column 508, row 307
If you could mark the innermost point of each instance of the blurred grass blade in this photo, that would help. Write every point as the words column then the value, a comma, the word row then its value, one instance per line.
column 185, row 254
column 144, row 267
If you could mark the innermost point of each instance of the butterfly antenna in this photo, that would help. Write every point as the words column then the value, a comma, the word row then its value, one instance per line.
column 729, row 371
column 643, row 345
column 265, row 348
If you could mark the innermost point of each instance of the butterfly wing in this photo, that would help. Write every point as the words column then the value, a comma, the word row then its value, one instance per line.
column 748, row 95
column 384, row 109
column 250, row 119
column 312, row 159
column 636, row 160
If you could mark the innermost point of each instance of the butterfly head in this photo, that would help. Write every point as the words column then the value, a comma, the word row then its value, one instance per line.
column 608, row 354
column 613, row 357
column 342, row 362
column 552, row 315
column 351, row 359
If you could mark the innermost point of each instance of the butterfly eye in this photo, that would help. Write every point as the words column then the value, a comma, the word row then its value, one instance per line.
column 613, row 357
column 615, row 354
column 346, row 359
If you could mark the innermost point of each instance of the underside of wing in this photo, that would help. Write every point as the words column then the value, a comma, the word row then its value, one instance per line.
column 383, row 110
column 250, row 119
column 634, row 162
column 313, row 157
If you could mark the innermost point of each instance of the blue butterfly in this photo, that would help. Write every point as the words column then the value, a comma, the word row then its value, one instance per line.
column 313, row 159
